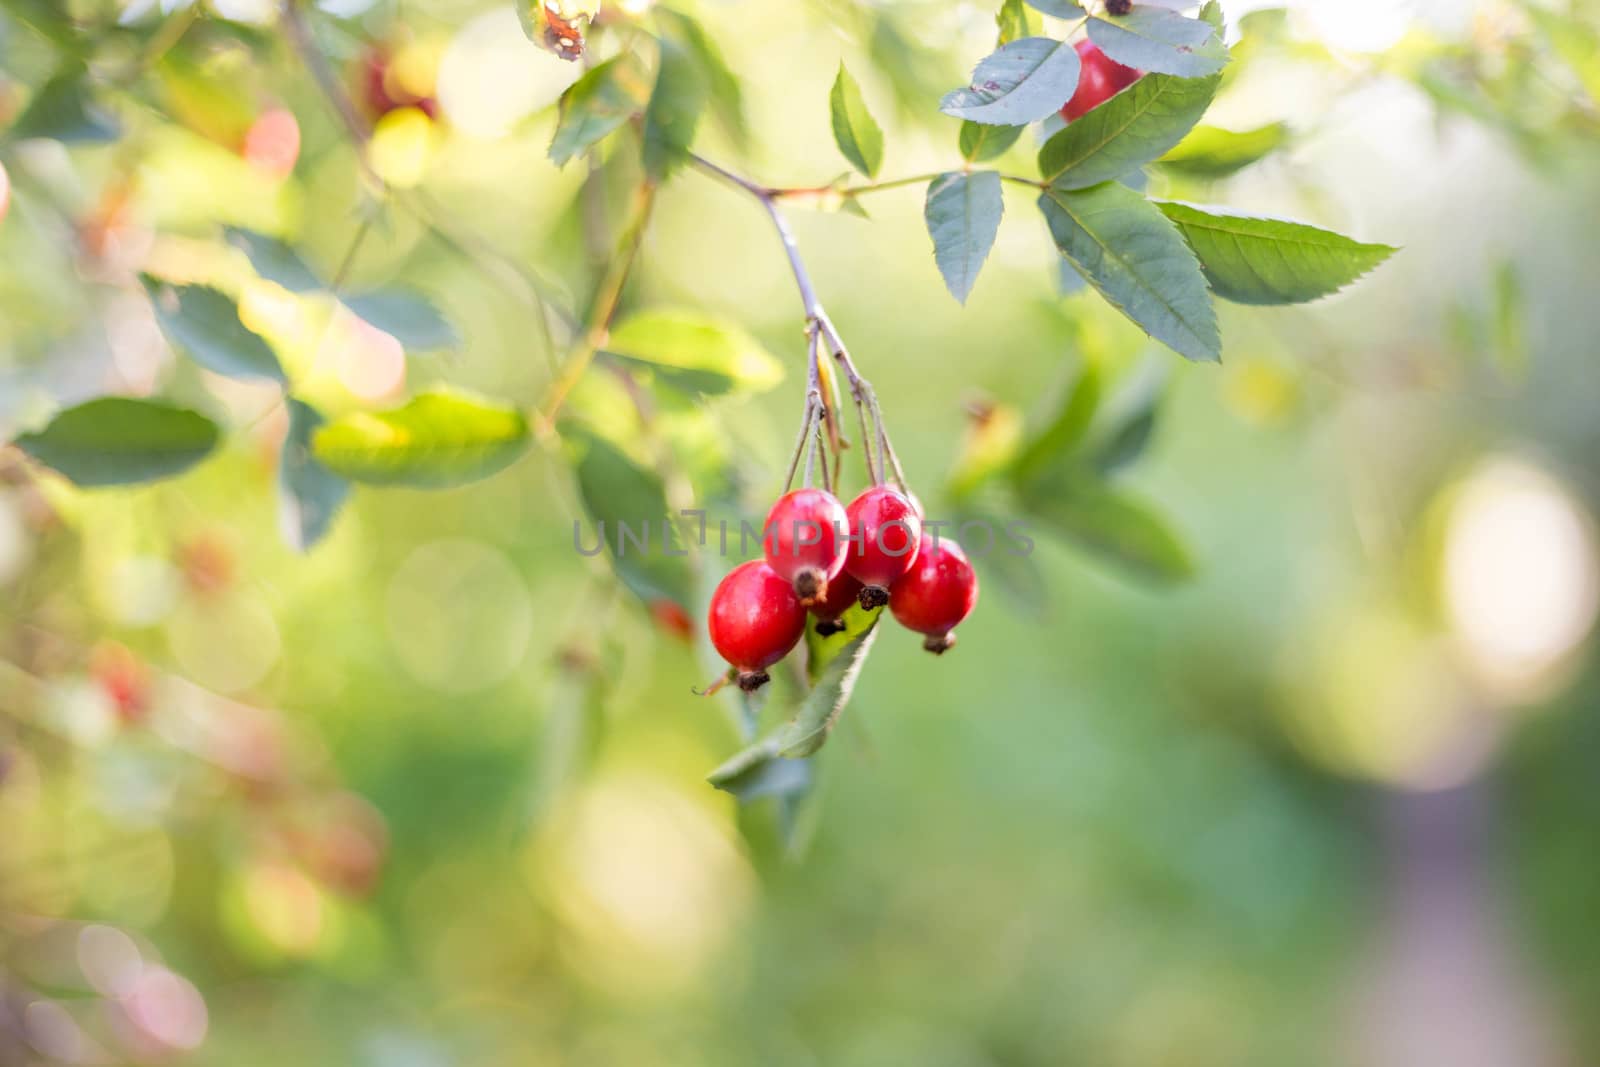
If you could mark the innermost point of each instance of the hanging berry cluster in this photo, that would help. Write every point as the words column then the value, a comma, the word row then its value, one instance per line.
column 821, row 557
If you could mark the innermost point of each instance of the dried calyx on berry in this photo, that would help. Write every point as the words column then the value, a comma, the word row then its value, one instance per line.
column 755, row 620
column 885, row 529
column 1118, row 7
column 938, row 592
column 804, row 541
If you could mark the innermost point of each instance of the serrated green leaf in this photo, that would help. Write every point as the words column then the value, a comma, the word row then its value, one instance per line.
column 1020, row 83
column 274, row 260
column 980, row 143
column 816, row 717
column 121, row 441
column 1127, row 131
column 1162, row 41
column 309, row 495
column 406, row 316
column 720, row 356
column 1114, row 525
column 62, row 110
column 1135, row 257
column 963, row 215
column 1253, row 260
column 857, row 134
column 205, row 324
column 1211, row 152
column 433, row 441
column 597, row 104
column 727, row 97
column 616, row 491
column 674, row 109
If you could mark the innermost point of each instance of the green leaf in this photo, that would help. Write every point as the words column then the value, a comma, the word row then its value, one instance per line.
column 120, row 441
column 963, row 216
column 406, row 316
column 1113, row 525
column 674, row 110
column 204, row 323
column 1021, row 83
column 1254, row 260
column 1129, row 439
column 817, row 715
column 616, row 491
column 727, row 98
column 275, row 261
column 1126, row 132
column 1014, row 21
column 433, row 441
column 718, row 356
column 596, row 104
column 1060, row 9
column 1211, row 152
column 980, row 143
column 1135, row 257
column 858, row 136
column 61, row 110
column 309, row 495
column 1066, row 430
column 1161, row 41
column 1510, row 322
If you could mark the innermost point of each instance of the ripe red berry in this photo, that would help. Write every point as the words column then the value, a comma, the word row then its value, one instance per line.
column 755, row 620
column 884, row 531
column 805, row 541
column 938, row 592
column 842, row 592
column 272, row 144
column 1100, row 78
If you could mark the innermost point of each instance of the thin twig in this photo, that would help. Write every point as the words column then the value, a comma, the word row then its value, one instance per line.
column 604, row 308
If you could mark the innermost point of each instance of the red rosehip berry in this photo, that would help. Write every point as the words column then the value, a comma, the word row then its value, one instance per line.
column 884, row 532
column 755, row 620
column 939, row 591
column 805, row 541
column 1099, row 79
column 831, row 606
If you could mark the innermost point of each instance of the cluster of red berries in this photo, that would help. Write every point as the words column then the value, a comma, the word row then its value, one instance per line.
column 821, row 557
column 1100, row 78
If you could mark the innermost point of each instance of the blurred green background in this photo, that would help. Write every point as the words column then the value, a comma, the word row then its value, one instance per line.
column 434, row 791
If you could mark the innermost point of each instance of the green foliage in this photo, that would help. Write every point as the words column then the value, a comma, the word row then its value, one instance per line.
column 726, row 95
column 121, row 441
column 980, row 143
column 1252, row 260
column 433, row 441
column 204, row 323
column 596, row 104
column 309, row 495
column 274, row 260
column 1135, row 257
column 1060, row 9
column 407, row 316
column 963, row 215
column 1113, row 523
column 673, row 113
column 62, row 110
column 857, row 134
column 1020, row 83
column 619, row 493
column 1211, row 152
column 1159, row 39
column 834, row 664
column 694, row 352
column 1132, row 128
